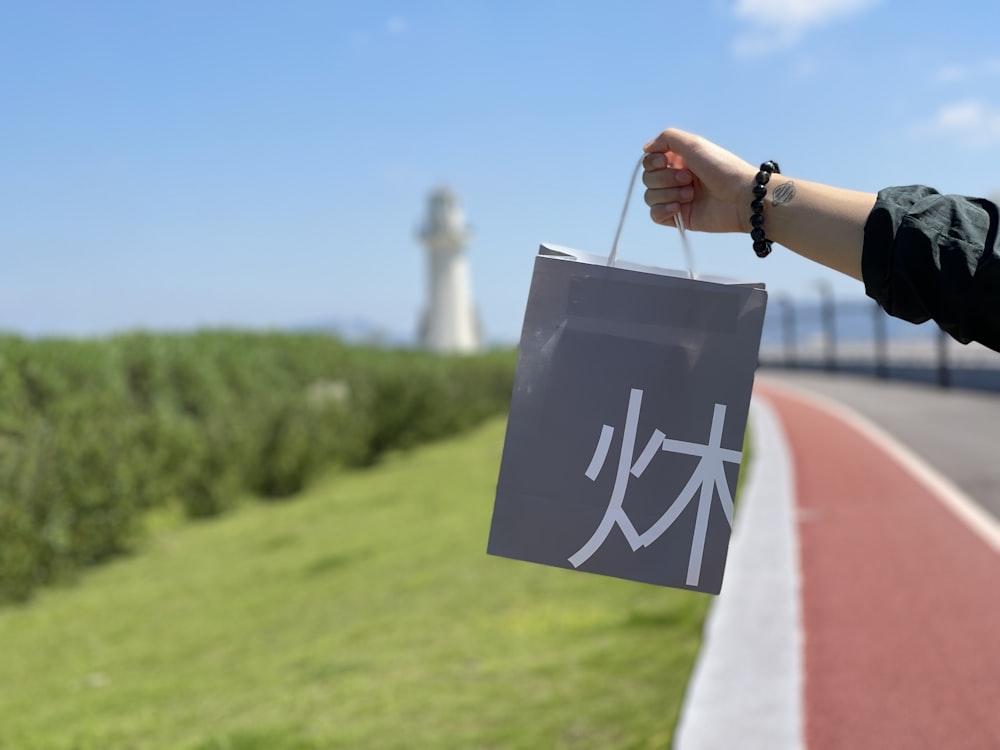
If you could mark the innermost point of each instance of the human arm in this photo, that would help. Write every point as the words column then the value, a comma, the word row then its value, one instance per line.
column 711, row 188
column 920, row 254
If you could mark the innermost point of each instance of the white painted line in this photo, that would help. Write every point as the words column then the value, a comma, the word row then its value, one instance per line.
column 746, row 690
column 965, row 508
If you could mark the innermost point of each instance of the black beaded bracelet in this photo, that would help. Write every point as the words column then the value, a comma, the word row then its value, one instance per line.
column 761, row 245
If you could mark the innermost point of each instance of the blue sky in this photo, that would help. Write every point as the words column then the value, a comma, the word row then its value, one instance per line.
column 258, row 164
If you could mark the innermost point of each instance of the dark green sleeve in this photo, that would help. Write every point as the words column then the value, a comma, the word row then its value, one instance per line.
column 936, row 257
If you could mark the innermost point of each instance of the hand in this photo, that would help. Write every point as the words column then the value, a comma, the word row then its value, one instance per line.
column 708, row 185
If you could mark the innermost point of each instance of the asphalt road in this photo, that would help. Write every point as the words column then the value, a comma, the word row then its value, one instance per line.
column 956, row 431
column 900, row 646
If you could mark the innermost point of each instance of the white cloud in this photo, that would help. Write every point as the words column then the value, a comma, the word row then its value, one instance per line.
column 396, row 25
column 782, row 23
column 973, row 122
column 951, row 74
column 959, row 73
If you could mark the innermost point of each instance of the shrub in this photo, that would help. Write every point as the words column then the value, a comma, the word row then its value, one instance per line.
column 94, row 433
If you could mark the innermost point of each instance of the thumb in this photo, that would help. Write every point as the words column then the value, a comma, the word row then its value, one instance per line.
column 680, row 142
column 701, row 156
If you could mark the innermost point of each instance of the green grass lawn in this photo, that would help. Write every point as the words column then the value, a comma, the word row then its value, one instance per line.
column 363, row 614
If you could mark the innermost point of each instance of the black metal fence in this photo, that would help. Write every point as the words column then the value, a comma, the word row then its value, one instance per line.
column 857, row 337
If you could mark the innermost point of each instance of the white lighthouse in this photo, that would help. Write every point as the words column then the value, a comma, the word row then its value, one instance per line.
column 449, row 323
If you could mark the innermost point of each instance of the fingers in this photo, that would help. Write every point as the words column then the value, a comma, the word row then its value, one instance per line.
column 669, row 195
column 666, row 177
column 667, row 187
column 652, row 162
column 664, row 214
column 665, row 202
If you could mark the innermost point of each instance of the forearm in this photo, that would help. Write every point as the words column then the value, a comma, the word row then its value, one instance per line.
column 822, row 223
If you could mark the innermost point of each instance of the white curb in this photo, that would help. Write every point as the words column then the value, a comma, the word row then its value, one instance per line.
column 746, row 691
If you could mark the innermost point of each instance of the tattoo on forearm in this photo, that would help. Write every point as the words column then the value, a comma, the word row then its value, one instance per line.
column 783, row 194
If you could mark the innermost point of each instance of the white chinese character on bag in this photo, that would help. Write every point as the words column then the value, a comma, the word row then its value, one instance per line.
column 708, row 476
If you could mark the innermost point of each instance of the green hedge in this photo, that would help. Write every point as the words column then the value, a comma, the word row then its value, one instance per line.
column 94, row 433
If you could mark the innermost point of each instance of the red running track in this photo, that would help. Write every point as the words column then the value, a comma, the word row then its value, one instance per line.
column 900, row 601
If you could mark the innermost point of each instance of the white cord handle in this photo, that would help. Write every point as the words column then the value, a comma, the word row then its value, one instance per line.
column 678, row 221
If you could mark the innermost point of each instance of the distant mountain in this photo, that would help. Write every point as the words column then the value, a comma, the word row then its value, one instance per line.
column 359, row 331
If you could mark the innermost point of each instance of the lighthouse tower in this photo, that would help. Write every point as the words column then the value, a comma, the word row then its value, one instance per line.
column 449, row 324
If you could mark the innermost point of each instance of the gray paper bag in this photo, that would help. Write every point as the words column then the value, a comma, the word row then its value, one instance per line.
column 626, row 424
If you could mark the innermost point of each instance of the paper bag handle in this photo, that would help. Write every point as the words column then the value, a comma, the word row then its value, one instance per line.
column 678, row 222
